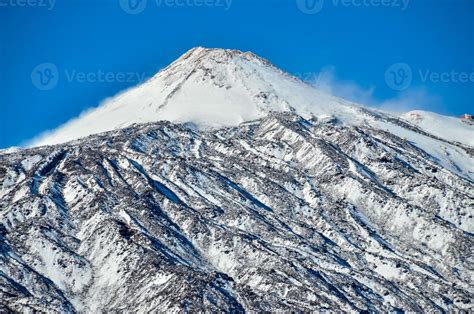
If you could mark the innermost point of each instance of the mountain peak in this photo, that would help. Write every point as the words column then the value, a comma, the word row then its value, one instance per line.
column 207, row 87
column 199, row 54
column 216, row 88
column 213, row 52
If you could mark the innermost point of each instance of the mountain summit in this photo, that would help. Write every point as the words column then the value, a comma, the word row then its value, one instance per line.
column 207, row 87
column 213, row 88
column 259, row 194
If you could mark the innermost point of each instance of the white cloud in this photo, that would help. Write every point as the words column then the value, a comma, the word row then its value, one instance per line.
column 327, row 81
column 408, row 100
column 411, row 99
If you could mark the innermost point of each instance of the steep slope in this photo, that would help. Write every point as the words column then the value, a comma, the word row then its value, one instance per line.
column 449, row 128
column 212, row 88
column 207, row 87
column 259, row 193
column 282, row 213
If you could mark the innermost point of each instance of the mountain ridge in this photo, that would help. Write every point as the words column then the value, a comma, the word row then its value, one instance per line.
column 292, row 201
column 161, row 216
column 259, row 87
column 214, row 88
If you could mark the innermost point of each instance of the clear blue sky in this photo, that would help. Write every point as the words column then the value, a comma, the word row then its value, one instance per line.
column 358, row 40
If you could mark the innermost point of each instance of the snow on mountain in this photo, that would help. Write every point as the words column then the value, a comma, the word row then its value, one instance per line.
column 219, row 88
column 260, row 194
column 284, row 214
column 9, row 150
column 448, row 128
column 207, row 87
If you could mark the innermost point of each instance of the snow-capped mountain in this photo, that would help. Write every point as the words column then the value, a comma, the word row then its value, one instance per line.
column 209, row 88
column 221, row 88
column 258, row 194
column 449, row 128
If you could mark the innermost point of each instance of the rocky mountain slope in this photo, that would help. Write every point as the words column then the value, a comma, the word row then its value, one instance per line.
column 450, row 128
column 338, row 207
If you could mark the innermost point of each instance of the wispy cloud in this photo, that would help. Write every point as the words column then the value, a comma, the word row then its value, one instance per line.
column 412, row 99
column 408, row 100
column 327, row 81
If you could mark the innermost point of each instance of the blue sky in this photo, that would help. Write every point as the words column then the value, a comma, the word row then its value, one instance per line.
column 395, row 54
